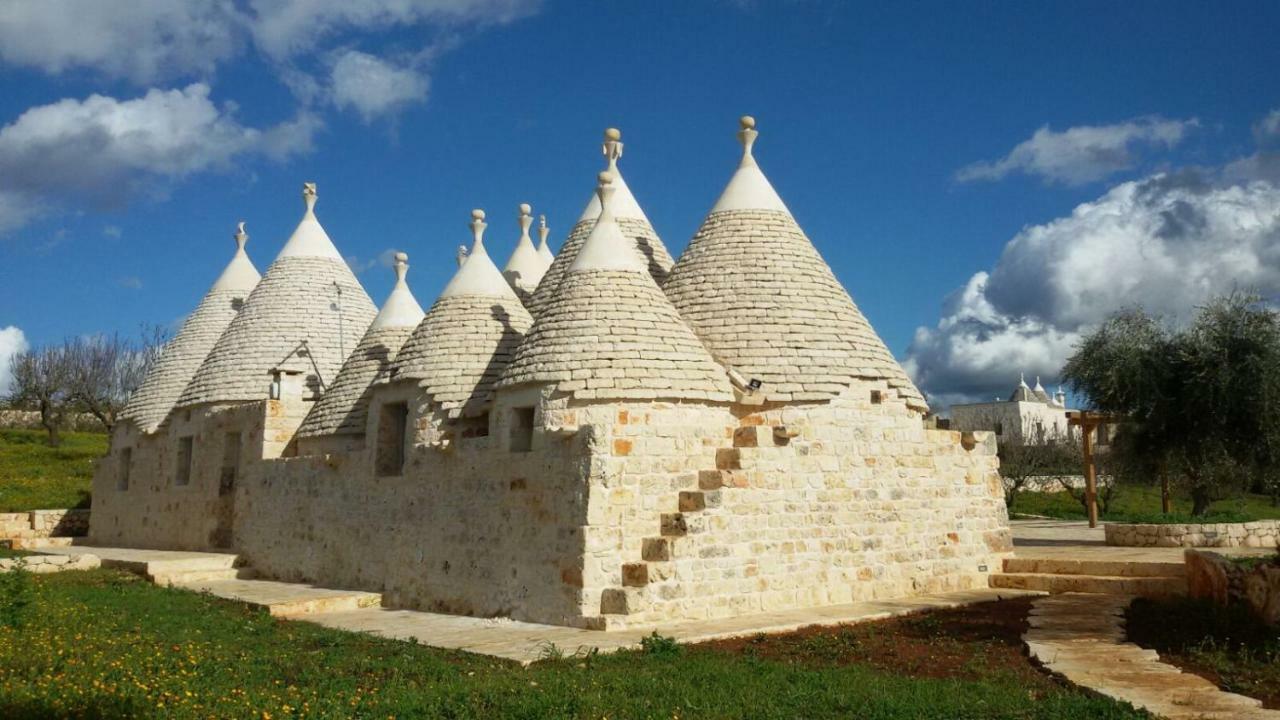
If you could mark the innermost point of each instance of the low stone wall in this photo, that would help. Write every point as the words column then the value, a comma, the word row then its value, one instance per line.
column 30, row 420
column 51, row 563
column 44, row 524
column 1259, row 534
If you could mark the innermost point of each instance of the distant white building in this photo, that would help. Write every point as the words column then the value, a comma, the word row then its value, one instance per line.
column 1030, row 415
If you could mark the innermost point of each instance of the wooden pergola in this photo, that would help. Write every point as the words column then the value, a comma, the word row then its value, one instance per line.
column 1088, row 423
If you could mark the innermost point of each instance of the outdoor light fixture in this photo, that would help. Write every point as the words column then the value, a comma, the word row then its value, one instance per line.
column 754, row 384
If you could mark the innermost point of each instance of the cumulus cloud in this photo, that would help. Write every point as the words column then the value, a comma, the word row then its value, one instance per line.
column 1268, row 128
column 104, row 151
column 373, row 87
column 142, row 40
column 1081, row 154
column 12, row 342
column 130, row 282
column 1167, row 242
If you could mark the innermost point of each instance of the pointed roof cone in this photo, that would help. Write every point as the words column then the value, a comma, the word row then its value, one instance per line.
column 525, row 268
column 308, row 311
column 1040, row 393
column 1022, row 393
column 628, row 216
column 767, row 305
column 609, row 332
column 155, row 397
column 344, row 408
column 544, row 250
column 467, row 337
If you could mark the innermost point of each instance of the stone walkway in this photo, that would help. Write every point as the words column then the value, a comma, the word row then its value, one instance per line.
column 1081, row 637
column 526, row 642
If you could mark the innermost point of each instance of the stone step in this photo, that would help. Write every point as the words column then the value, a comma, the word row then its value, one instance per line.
column 1115, row 568
column 1100, row 584
column 42, row 543
column 188, row 577
column 286, row 600
column 622, row 601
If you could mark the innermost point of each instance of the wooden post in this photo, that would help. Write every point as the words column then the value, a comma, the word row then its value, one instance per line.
column 1090, row 473
column 1166, row 499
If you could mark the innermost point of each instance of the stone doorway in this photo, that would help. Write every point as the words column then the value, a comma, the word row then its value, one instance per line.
column 224, row 513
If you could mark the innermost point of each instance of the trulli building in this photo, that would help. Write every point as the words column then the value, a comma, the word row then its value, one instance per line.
column 625, row 441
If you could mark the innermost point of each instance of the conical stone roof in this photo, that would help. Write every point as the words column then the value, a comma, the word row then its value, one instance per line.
column 308, row 311
column 629, row 218
column 344, row 407
column 151, row 402
column 461, row 347
column 767, row 305
column 526, row 267
column 609, row 332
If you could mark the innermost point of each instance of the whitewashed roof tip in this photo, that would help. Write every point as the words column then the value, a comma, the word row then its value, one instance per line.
column 240, row 274
column 606, row 248
column 309, row 239
column 749, row 189
column 478, row 275
column 401, row 308
column 544, row 250
column 525, row 267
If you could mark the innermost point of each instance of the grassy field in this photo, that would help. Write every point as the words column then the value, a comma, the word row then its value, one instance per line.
column 102, row 644
column 1228, row 646
column 1142, row 504
column 34, row 476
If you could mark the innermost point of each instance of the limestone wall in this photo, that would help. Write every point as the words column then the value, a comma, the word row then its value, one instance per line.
column 36, row 524
column 147, row 505
column 1260, row 534
column 41, row 564
column 806, row 506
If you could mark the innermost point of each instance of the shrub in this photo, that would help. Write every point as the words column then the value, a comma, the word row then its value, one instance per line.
column 15, row 595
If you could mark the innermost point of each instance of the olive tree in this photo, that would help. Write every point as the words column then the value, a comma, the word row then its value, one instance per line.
column 1200, row 402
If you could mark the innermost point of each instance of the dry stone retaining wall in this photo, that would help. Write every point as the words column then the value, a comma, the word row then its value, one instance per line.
column 41, row 564
column 1259, row 534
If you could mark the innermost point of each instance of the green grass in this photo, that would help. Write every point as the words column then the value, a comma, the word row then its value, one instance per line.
column 1227, row 645
column 34, row 476
column 101, row 644
column 1142, row 504
column 6, row 553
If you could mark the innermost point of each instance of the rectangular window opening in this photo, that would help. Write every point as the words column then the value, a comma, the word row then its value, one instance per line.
column 393, row 421
column 126, row 466
column 475, row 427
column 876, row 397
column 184, row 460
column 521, row 429
column 230, row 463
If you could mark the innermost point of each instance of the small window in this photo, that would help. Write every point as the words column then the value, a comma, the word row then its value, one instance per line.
column 999, row 429
column 475, row 427
column 876, row 397
column 122, row 472
column 392, row 424
column 184, row 460
column 521, row 429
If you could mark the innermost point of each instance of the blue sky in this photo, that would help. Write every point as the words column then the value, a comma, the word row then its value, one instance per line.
column 986, row 180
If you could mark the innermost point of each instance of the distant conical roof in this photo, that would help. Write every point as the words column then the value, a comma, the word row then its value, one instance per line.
column 344, row 407
column 764, row 302
column 308, row 311
column 1022, row 393
column 1041, row 394
column 544, row 250
column 526, row 267
column 467, row 337
column 609, row 333
column 151, row 402
column 629, row 217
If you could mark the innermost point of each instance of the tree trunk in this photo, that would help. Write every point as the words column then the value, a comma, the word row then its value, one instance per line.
column 1201, row 499
column 50, row 424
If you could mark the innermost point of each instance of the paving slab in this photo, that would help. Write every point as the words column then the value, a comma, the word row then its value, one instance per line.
column 283, row 599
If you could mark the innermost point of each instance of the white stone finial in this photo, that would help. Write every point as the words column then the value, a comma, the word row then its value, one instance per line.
column 612, row 148
column 401, row 266
column 604, row 191
column 477, row 228
column 526, row 220
column 1022, row 379
column 309, row 195
column 462, row 254
column 543, row 230
column 241, row 236
column 747, row 136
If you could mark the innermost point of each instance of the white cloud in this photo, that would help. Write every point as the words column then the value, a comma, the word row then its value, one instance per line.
column 131, row 282
column 1268, row 128
column 286, row 28
column 1081, row 154
column 12, row 342
column 373, row 87
column 104, row 151
column 142, row 40
column 112, row 231
column 1167, row 243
